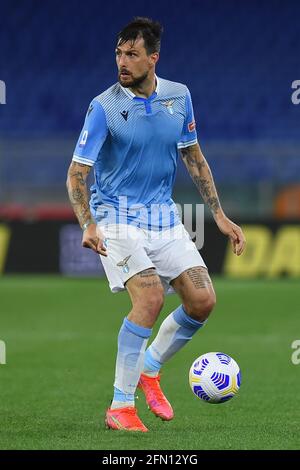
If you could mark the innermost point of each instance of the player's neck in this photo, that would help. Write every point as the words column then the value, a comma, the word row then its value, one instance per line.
column 147, row 88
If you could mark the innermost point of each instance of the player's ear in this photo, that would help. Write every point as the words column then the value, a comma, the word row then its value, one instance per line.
column 154, row 58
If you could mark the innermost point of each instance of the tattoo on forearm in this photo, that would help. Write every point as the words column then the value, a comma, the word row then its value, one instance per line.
column 77, row 190
column 208, row 192
column 201, row 175
column 199, row 277
column 77, row 196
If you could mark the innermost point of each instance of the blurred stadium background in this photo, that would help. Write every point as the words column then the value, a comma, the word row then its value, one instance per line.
column 239, row 60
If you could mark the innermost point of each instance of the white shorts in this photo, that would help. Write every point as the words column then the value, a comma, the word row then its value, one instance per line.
column 131, row 250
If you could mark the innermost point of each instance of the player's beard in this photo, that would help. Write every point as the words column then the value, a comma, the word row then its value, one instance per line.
column 134, row 82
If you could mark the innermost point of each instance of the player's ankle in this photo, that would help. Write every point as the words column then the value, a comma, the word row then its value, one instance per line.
column 121, row 404
column 151, row 373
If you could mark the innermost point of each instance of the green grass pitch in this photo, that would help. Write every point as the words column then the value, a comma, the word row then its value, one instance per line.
column 61, row 337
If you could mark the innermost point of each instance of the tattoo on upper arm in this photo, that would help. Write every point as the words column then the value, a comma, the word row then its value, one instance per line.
column 199, row 277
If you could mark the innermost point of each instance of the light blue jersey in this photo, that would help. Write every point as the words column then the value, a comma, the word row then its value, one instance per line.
column 133, row 144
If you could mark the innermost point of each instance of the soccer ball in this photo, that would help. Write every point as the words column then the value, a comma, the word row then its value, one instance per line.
column 215, row 377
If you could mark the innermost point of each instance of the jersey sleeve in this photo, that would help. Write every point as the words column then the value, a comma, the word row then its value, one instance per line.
column 189, row 134
column 92, row 136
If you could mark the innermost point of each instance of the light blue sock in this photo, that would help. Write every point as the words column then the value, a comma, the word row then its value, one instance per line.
column 175, row 331
column 132, row 342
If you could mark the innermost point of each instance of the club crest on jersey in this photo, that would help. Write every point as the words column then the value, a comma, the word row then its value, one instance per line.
column 83, row 139
column 169, row 105
column 123, row 264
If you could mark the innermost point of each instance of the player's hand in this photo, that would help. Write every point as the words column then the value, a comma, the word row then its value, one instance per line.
column 93, row 238
column 234, row 232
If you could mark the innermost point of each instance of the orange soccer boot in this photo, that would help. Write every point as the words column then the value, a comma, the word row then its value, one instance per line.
column 124, row 419
column 155, row 398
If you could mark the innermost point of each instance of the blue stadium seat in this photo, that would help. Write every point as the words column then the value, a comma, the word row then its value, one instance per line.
column 56, row 56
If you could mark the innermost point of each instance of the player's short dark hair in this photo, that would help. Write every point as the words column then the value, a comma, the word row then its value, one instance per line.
column 145, row 28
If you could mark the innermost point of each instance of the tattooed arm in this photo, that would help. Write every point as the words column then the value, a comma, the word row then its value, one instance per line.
column 78, row 195
column 200, row 173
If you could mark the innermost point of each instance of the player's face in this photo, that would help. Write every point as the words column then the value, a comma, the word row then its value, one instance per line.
column 133, row 63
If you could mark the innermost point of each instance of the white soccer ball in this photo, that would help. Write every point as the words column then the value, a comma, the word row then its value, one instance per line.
column 215, row 377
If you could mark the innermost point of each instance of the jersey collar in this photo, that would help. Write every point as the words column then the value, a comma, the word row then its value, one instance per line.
column 132, row 95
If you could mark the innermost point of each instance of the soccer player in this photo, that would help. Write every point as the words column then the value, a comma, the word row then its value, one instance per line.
column 132, row 135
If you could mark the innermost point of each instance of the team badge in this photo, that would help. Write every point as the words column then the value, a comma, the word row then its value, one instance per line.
column 169, row 105
column 123, row 264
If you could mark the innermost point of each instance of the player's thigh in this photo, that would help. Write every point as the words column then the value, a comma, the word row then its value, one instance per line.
column 195, row 288
column 126, row 254
column 147, row 296
column 192, row 282
column 145, row 287
column 174, row 253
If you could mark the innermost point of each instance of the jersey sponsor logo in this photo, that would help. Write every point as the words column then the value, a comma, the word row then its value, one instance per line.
column 192, row 126
column 124, row 114
column 83, row 139
column 262, row 240
column 123, row 264
column 169, row 105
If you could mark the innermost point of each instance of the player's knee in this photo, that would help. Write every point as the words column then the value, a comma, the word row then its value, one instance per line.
column 200, row 307
column 153, row 302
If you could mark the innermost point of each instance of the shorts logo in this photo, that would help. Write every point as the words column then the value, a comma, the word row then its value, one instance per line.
column 123, row 264
column 192, row 126
column 169, row 105
column 83, row 139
